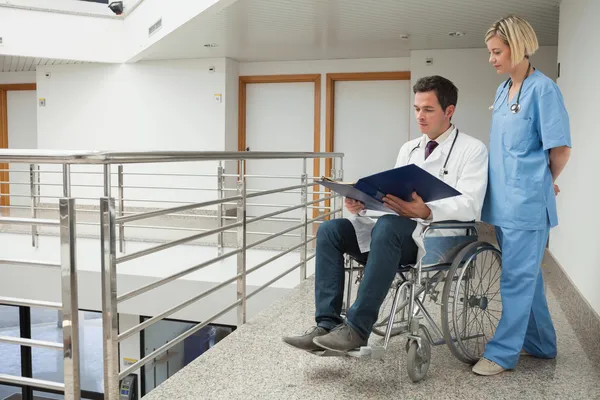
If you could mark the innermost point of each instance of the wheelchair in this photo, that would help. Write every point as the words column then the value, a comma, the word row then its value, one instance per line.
column 470, row 289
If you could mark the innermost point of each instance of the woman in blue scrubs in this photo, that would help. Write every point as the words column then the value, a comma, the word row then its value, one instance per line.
column 529, row 147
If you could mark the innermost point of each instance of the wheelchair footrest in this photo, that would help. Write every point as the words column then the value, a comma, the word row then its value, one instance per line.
column 368, row 352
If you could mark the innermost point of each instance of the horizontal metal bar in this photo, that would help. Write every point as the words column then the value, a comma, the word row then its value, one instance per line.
column 14, row 183
column 279, row 255
column 27, row 263
column 13, row 301
column 31, row 342
column 272, row 191
column 28, row 221
column 170, row 174
column 167, row 187
column 265, row 176
column 173, row 310
column 171, row 210
column 278, row 277
column 173, row 277
column 35, row 383
column 273, row 236
column 174, row 243
column 176, row 341
column 274, row 213
column 103, row 157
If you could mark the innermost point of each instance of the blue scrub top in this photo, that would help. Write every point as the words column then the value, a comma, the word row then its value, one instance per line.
column 520, row 193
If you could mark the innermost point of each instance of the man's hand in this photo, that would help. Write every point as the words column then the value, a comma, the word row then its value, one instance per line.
column 413, row 209
column 353, row 206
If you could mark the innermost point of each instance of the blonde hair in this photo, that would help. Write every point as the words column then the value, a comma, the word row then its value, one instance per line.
column 517, row 34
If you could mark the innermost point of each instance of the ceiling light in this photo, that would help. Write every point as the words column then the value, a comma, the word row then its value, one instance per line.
column 210, row 45
column 457, row 34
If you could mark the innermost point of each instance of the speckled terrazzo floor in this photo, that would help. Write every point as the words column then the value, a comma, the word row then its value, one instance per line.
column 253, row 363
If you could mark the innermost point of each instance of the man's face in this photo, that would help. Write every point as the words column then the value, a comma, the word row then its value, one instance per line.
column 432, row 120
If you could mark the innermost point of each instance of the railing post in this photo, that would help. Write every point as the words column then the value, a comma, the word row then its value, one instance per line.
column 220, row 182
column 304, row 229
column 109, row 291
column 241, row 242
column 339, row 200
column 70, row 308
column 34, row 193
column 121, row 209
column 109, row 298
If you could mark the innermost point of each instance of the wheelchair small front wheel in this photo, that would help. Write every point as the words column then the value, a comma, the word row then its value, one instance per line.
column 418, row 359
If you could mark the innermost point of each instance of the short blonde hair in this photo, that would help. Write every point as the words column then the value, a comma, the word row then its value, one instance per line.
column 517, row 34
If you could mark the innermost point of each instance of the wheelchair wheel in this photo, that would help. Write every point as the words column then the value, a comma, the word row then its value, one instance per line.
column 471, row 301
column 418, row 359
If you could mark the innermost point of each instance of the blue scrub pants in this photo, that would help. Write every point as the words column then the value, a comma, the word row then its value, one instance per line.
column 525, row 323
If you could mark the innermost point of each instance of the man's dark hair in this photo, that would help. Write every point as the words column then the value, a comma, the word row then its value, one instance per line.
column 446, row 92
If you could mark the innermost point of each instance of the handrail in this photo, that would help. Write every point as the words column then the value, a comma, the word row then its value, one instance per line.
column 115, row 218
column 31, row 342
column 13, row 301
column 103, row 157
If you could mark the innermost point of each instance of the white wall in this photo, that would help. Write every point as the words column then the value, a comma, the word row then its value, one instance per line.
column 147, row 106
column 574, row 243
column 323, row 67
column 17, row 77
column 63, row 36
column 476, row 81
column 22, row 134
column 174, row 13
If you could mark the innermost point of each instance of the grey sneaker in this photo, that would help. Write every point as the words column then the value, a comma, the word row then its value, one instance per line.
column 342, row 339
column 305, row 342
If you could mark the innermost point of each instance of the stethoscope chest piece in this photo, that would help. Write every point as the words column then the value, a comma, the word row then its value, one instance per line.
column 515, row 108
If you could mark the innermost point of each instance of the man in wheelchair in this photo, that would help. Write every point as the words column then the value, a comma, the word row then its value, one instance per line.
column 395, row 238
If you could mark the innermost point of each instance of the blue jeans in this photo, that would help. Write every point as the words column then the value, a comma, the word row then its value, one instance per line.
column 391, row 246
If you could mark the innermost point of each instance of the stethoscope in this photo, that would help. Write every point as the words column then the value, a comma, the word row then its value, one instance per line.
column 443, row 170
column 515, row 108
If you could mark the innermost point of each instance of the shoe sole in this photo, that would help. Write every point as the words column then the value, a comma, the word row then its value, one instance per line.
column 342, row 352
column 487, row 373
column 311, row 351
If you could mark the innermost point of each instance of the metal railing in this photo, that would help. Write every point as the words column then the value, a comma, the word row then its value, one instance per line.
column 115, row 216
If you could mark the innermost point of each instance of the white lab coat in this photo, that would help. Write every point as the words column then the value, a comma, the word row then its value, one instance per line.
column 467, row 172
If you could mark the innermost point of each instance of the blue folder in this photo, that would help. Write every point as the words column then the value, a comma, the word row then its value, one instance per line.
column 400, row 182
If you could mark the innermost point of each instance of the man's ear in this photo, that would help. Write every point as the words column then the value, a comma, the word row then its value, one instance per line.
column 450, row 111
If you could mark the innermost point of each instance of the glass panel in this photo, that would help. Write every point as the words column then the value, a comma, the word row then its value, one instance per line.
column 10, row 392
column 48, row 364
column 11, row 354
column 180, row 355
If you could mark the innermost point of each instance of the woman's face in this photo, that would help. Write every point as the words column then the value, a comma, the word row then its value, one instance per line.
column 500, row 56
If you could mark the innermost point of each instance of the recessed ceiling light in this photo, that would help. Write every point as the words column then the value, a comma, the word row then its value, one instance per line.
column 210, row 45
column 457, row 34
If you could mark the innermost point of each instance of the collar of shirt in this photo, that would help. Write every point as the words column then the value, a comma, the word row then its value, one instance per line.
column 442, row 137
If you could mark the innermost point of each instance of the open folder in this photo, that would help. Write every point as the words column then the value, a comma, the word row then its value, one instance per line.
column 400, row 182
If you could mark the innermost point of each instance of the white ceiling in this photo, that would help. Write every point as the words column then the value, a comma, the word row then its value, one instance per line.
column 22, row 64
column 269, row 30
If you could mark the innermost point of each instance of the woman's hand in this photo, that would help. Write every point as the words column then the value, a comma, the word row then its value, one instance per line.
column 353, row 206
column 556, row 190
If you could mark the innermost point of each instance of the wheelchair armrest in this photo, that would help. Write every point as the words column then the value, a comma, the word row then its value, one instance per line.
column 471, row 225
column 451, row 225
